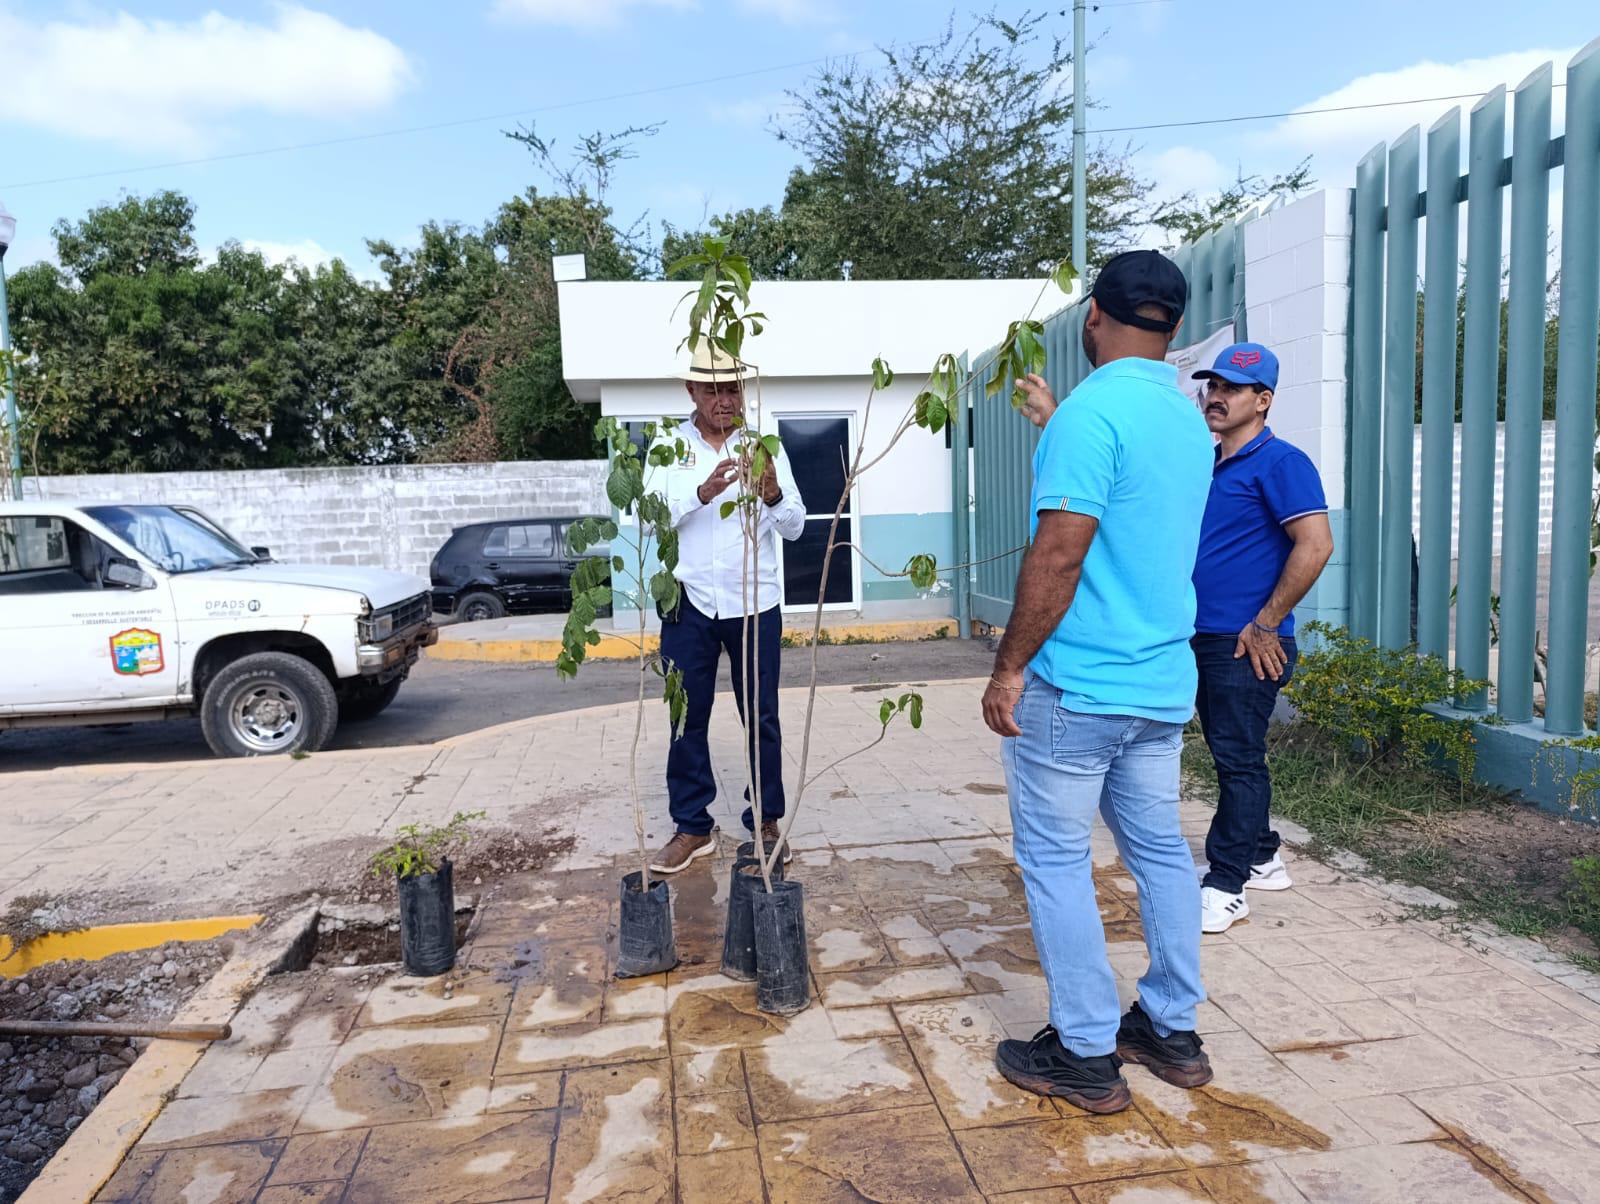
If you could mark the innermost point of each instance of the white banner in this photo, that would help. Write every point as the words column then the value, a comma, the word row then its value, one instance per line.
column 1202, row 355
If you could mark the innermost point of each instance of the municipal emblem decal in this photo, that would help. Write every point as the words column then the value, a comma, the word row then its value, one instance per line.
column 136, row 652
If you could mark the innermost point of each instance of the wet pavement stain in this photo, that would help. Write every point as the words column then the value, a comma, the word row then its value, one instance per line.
column 1493, row 1166
column 1225, row 1124
column 985, row 788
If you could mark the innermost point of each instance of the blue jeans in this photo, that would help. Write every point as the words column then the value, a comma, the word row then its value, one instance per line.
column 694, row 643
column 1064, row 767
column 1235, row 708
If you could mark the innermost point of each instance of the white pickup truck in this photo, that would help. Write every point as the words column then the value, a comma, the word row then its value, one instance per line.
column 115, row 613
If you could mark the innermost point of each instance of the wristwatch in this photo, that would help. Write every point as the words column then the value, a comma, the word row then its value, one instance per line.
column 775, row 500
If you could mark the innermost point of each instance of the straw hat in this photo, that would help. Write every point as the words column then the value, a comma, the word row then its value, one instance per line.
column 711, row 363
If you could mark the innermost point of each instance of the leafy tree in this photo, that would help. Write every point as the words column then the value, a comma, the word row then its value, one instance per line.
column 1187, row 218
column 949, row 159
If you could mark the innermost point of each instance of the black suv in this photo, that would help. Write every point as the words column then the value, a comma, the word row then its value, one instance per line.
column 510, row 566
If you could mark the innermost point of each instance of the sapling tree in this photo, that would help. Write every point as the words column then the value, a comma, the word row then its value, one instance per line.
column 716, row 315
column 630, row 488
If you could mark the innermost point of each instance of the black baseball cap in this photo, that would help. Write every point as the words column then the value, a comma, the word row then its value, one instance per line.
column 1137, row 278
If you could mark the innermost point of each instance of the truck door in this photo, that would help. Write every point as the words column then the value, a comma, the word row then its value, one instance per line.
column 80, row 628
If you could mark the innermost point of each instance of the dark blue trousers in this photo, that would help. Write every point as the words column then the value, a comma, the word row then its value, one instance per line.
column 694, row 643
column 1235, row 708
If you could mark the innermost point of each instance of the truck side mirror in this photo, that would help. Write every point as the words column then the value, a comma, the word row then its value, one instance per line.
column 126, row 573
column 261, row 553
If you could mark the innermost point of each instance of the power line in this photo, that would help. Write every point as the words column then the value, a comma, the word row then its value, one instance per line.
column 1377, row 104
column 439, row 125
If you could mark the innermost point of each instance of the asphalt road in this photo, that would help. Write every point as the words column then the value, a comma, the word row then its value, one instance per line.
column 449, row 698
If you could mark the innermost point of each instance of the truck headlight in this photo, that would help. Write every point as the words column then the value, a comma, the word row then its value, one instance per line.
column 377, row 629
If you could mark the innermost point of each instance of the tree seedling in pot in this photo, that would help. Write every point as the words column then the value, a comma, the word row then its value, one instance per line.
column 418, row 858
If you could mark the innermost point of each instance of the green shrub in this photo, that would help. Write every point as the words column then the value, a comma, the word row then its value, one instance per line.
column 1373, row 699
column 1583, row 896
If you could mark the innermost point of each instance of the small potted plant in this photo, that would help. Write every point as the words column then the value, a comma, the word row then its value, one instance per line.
column 418, row 860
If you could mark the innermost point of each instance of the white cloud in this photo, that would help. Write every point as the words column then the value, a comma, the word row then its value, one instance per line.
column 753, row 111
column 1182, row 169
column 308, row 252
column 164, row 85
column 1337, row 141
column 793, row 12
column 581, row 14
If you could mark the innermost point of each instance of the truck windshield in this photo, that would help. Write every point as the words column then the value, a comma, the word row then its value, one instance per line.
column 172, row 540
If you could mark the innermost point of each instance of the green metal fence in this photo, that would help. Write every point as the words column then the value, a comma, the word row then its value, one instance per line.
column 990, row 500
column 1392, row 201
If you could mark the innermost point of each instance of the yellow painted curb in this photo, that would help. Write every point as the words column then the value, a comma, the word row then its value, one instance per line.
column 92, row 944
column 620, row 648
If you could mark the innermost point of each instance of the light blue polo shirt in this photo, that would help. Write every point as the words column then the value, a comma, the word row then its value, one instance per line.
column 1128, row 448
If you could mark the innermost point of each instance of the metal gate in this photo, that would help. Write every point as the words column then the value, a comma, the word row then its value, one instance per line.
column 993, row 481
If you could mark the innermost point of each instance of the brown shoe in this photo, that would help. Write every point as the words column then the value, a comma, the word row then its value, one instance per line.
column 769, row 837
column 680, row 851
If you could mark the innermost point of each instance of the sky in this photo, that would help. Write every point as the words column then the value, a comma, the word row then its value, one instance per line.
column 168, row 94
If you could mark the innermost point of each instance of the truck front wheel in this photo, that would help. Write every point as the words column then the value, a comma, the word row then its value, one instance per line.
column 266, row 703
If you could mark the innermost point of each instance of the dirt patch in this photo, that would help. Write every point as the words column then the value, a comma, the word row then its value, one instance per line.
column 1509, row 850
column 362, row 943
column 48, row 1085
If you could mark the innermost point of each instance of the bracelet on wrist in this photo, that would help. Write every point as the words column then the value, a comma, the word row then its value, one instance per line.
column 1000, row 685
column 1263, row 628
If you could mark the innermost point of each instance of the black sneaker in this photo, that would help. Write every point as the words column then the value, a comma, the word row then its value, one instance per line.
column 1178, row 1058
column 1047, row 1067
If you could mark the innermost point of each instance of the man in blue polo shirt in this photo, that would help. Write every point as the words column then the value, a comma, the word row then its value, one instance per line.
column 1263, row 542
column 1092, row 685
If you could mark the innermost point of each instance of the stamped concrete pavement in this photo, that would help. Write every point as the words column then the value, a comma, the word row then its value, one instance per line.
column 1360, row 1055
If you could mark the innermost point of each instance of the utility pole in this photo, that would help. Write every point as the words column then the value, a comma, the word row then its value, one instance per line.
column 8, row 231
column 1079, row 238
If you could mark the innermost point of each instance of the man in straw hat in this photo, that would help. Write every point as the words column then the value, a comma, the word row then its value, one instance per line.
column 718, row 593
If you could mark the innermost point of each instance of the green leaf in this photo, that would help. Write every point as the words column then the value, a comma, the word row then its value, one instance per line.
column 882, row 375
column 1064, row 275
column 885, row 712
column 623, row 486
column 923, row 570
column 772, row 444
column 916, row 711
column 618, row 564
column 727, row 508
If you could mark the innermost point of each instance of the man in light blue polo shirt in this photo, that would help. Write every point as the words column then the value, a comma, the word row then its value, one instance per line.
column 1092, row 685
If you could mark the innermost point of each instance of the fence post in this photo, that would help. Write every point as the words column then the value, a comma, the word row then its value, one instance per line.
column 1575, row 398
column 960, row 506
column 1480, row 390
column 1399, row 392
column 1366, row 393
column 1519, row 525
column 1439, row 386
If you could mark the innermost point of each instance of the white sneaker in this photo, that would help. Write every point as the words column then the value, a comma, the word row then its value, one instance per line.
column 1270, row 875
column 1219, row 909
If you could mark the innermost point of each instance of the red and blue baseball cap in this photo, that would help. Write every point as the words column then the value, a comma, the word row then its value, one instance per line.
column 1244, row 364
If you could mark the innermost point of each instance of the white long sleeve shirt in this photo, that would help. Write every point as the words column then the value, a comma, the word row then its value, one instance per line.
column 710, row 547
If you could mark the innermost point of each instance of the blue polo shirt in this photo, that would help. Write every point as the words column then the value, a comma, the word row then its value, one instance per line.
column 1243, row 546
column 1128, row 448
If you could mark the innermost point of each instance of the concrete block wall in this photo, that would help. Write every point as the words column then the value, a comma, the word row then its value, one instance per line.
column 393, row 517
column 1297, row 302
column 1547, row 485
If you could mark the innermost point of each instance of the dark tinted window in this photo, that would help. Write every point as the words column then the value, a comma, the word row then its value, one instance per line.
column 802, row 564
column 816, row 448
column 533, row 540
